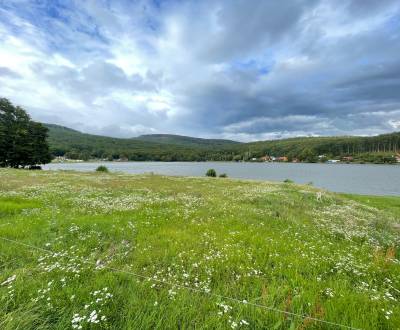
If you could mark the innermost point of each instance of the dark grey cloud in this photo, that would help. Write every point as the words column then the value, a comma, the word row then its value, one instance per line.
column 247, row 26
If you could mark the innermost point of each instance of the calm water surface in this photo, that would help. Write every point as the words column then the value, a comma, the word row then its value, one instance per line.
column 350, row 178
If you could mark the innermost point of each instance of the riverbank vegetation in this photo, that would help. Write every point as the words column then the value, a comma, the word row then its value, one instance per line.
column 114, row 251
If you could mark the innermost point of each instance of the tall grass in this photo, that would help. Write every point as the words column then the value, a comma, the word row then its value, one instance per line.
column 334, row 259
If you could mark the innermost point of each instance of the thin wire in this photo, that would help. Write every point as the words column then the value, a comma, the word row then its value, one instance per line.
column 394, row 288
column 191, row 288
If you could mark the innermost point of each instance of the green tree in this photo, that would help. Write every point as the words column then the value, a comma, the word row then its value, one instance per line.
column 308, row 155
column 6, row 119
column 22, row 141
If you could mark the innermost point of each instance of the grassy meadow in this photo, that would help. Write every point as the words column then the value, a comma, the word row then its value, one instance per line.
column 117, row 251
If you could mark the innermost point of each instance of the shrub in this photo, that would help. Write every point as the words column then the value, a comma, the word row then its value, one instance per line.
column 35, row 167
column 288, row 181
column 223, row 175
column 211, row 172
column 102, row 168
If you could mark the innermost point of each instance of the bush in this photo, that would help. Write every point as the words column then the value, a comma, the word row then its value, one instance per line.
column 102, row 168
column 288, row 181
column 35, row 167
column 211, row 172
column 223, row 175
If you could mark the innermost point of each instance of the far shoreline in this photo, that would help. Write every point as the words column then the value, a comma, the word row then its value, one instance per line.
column 98, row 161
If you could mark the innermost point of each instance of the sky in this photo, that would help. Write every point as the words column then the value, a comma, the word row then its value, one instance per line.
column 236, row 69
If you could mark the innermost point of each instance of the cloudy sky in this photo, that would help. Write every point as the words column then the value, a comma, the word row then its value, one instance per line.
column 238, row 69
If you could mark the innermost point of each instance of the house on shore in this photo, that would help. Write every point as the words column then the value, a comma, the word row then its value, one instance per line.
column 266, row 158
column 347, row 159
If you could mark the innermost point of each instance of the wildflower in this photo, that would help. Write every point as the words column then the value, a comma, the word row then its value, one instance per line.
column 93, row 317
column 171, row 293
column 76, row 320
column 226, row 308
column 388, row 314
column 329, row 292
column 9, row 280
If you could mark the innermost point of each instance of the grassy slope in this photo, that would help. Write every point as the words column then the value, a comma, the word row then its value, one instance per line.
column 388, row 204
column 271, row 244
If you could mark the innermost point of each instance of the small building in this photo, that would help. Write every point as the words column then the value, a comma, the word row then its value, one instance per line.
column 265, row 158
column 398, row 158
column 347, row 159
column 282, row 159
column 60, row 159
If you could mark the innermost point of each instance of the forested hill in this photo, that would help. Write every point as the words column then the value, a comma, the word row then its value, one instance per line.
column 186, row 140
column 164, row 147
column 76, row 145
column 370, row 148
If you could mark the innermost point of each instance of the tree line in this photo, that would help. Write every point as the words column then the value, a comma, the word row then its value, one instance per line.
column 22, row 141
column 373, row 149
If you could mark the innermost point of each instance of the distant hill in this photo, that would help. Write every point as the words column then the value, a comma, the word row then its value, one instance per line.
column 378, row 148
column 186, row 140
column 61, row 129
column 166, row 147
column 77, row 145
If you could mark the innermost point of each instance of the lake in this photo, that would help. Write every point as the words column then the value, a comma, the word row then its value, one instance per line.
column 364, row 179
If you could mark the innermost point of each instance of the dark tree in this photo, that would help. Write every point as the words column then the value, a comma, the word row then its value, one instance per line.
column 22, row 141
column 7, row 130
column 40, row 150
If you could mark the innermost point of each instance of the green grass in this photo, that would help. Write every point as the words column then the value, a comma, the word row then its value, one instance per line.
column 385, row 203
column 277, row 245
